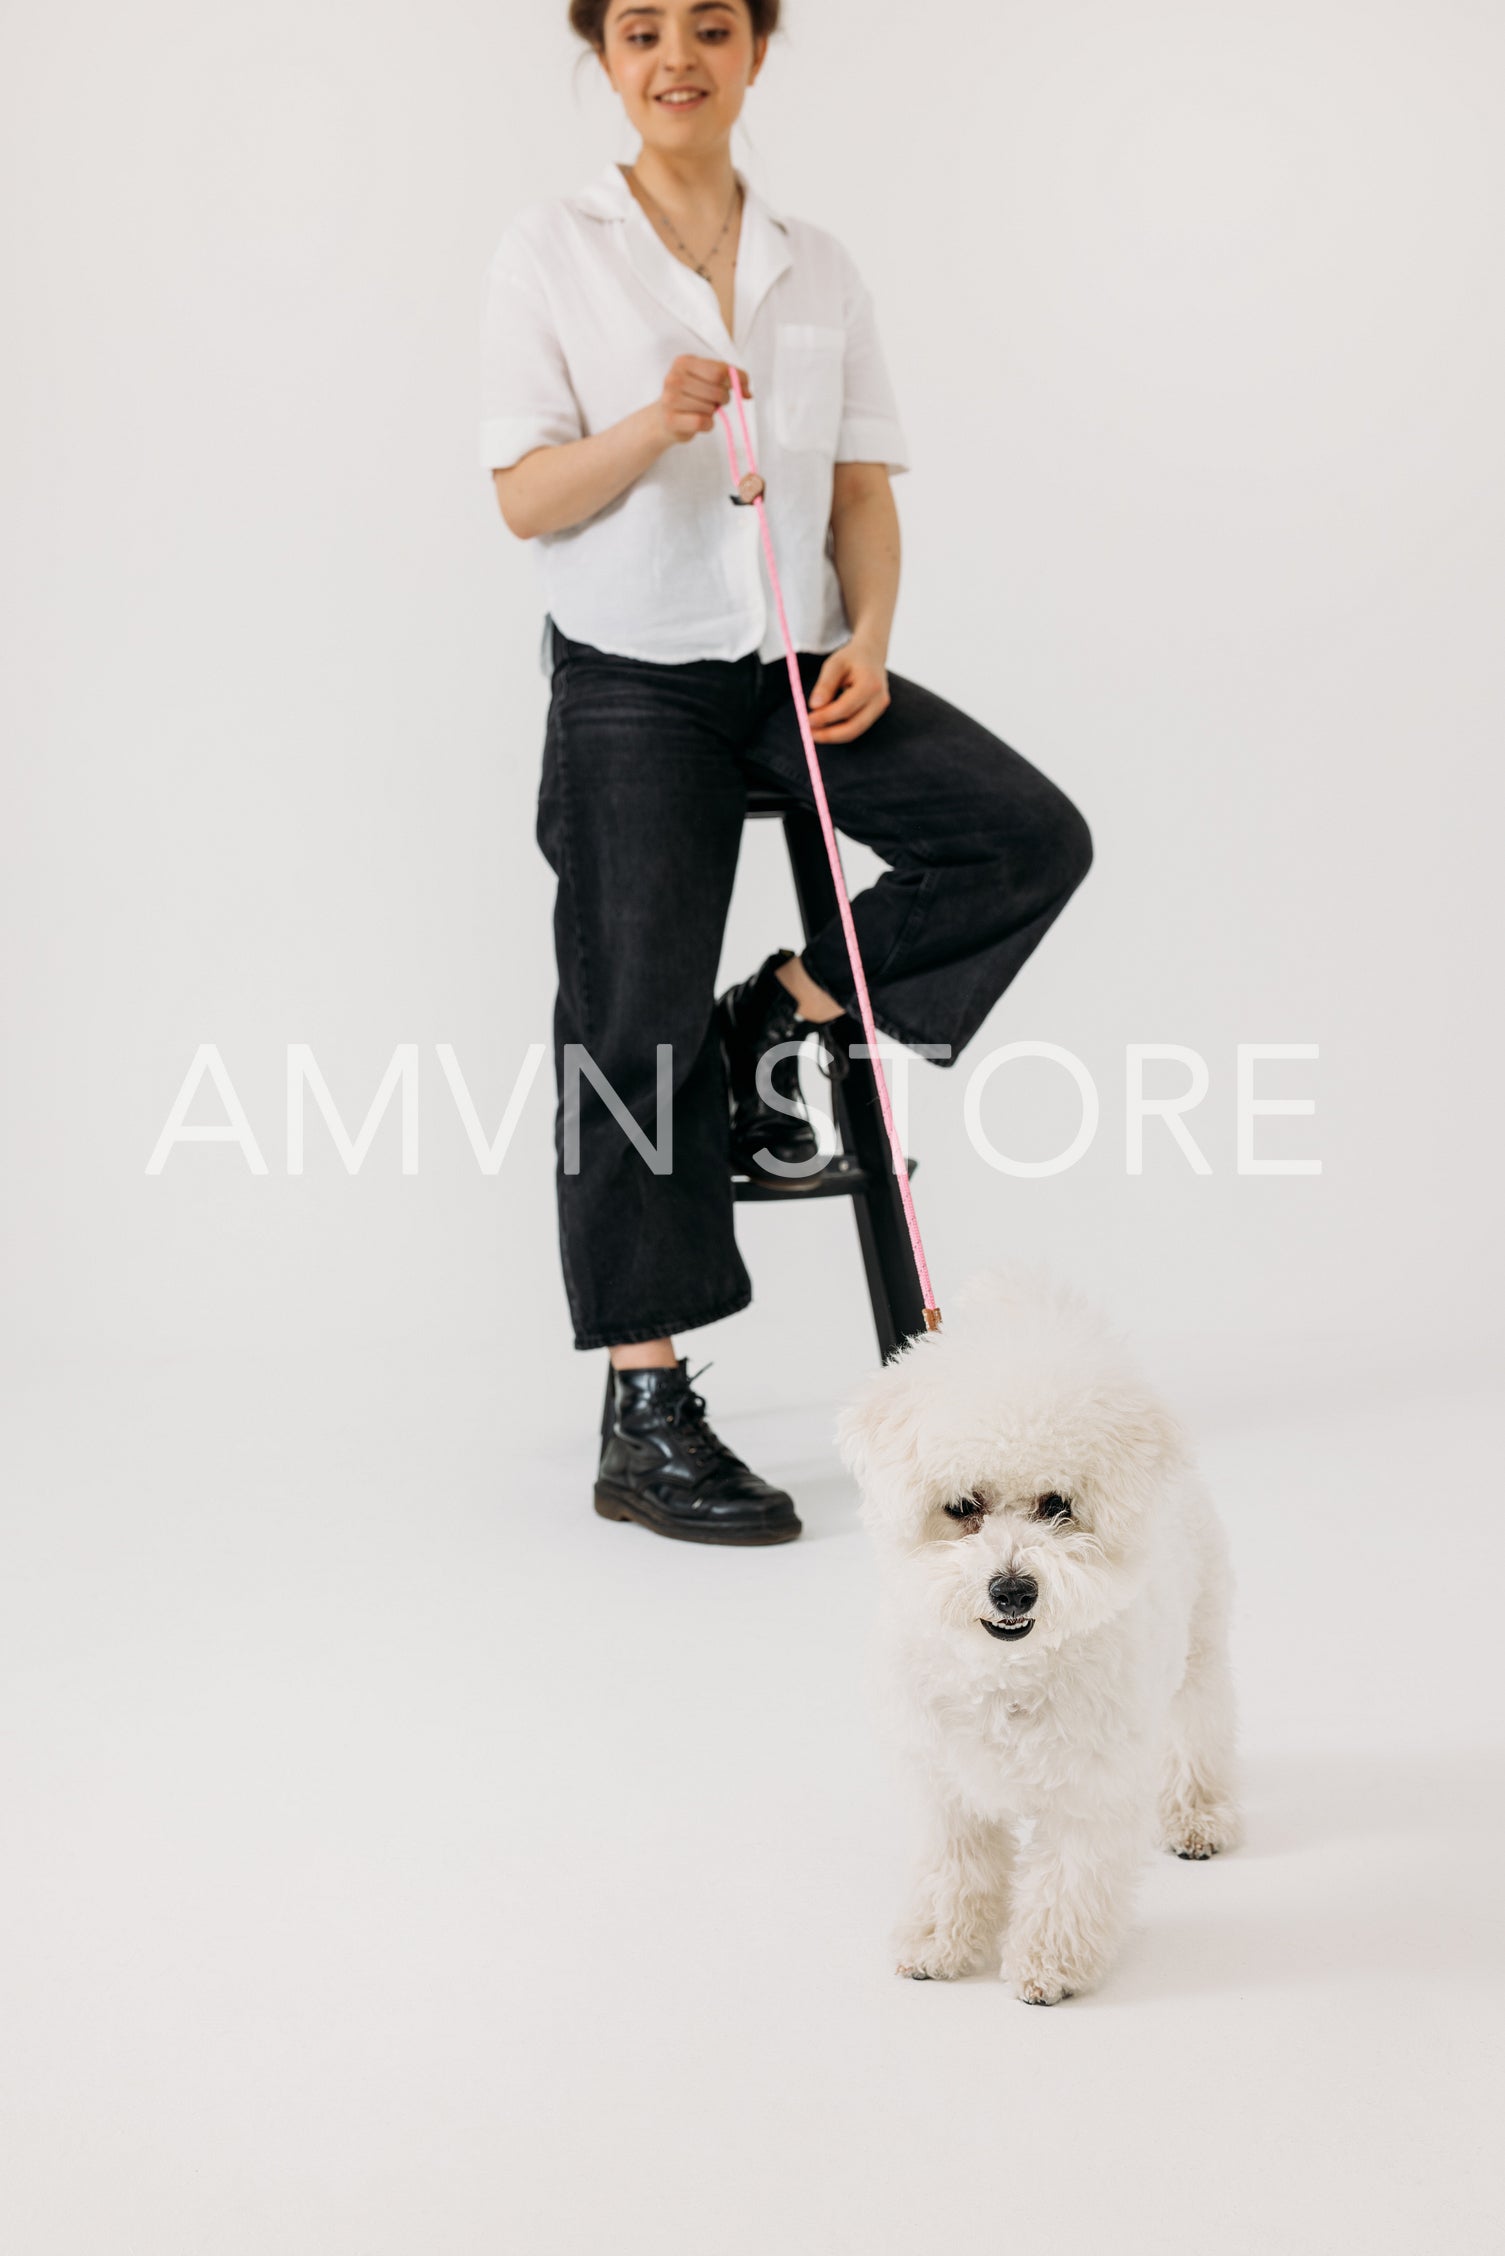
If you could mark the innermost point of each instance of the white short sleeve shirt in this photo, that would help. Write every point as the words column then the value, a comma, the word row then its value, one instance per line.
column 584, row 308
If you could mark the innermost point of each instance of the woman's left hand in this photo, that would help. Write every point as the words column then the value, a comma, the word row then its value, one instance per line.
column 850, row 692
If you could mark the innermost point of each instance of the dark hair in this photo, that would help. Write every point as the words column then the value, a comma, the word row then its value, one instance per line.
column 588, row 19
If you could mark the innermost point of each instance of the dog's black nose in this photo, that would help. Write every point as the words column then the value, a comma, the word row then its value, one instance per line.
column 1013, row 1594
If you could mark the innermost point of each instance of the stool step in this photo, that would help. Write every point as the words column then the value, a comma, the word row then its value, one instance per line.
column 843, row 1176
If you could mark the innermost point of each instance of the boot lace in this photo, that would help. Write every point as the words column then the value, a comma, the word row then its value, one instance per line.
column 686, row 1414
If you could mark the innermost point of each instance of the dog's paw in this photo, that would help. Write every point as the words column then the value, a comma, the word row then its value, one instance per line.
column 1201, row 1832
column 1039, row 1973
column 929, row 1957
column 1039, row 1989
column 933, row 1964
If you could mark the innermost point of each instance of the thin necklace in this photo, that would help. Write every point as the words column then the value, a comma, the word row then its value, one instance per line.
column 700, row 265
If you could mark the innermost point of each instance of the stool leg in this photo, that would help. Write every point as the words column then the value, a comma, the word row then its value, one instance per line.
column 882, row 1232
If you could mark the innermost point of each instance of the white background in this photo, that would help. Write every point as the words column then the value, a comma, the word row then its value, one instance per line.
column 1195, row 321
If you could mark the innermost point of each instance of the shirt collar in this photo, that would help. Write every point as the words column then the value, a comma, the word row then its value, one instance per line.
column 609, row 197
column 764, row 252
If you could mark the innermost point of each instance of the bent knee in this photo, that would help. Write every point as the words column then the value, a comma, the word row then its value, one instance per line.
column 1073, row 845
column 1057, row 849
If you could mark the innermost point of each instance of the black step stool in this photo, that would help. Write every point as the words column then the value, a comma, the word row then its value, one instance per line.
column 863, row 1170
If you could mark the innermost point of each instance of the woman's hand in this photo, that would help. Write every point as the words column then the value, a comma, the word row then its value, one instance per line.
column 850, row 692
column 552, row 488
column 693, row 390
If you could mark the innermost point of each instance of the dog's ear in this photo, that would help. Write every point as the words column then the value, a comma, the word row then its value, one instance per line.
column 859, row 1429
column 1154, row 1434
column 875, row 1431
column 1172, row 1440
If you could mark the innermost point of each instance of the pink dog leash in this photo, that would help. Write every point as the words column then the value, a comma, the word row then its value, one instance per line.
column 833, row 852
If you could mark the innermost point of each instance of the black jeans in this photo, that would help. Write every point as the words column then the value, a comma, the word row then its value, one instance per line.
column 640, row 813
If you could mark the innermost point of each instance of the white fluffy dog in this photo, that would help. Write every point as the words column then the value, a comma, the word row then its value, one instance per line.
column 1056, row 1621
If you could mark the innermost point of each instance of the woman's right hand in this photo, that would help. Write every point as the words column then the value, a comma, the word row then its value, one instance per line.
column 693, row 390
column 553, row 487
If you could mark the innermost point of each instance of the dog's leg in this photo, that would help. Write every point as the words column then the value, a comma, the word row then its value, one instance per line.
column 959, row 1901
column 1073, row 1894
column 1198, row 1804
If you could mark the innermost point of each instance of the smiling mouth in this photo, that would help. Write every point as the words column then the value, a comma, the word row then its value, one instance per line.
column 684, row 99
column 1011, row 1626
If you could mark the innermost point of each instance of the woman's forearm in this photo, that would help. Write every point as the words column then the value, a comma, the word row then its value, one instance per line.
column 865, row 550
column 558, row 486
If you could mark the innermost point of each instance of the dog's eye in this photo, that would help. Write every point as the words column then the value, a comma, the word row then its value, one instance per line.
column 1052, row 1507
column 965, row 1508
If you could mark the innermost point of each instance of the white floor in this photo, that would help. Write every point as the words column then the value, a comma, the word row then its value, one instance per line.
column 400, row 1861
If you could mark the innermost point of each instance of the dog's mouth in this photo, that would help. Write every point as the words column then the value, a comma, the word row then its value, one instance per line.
column 1010, row 1626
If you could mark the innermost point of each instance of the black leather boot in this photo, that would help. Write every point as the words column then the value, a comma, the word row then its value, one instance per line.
column 662, row 1466
column 752, row 1018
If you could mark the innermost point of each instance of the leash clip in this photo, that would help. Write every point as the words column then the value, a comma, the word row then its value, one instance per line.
column 750, row 489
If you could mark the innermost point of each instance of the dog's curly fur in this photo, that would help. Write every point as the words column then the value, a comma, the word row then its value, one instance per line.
column 1054, row 1754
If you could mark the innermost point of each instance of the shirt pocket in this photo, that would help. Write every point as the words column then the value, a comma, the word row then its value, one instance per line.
column 807, row 385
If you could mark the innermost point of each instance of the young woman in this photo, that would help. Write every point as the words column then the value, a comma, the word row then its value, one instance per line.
column 612, row 319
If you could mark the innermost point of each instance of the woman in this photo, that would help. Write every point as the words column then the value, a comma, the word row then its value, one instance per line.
column 612, row 320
